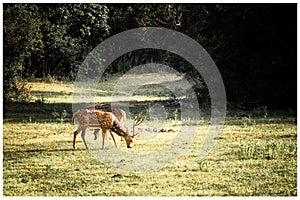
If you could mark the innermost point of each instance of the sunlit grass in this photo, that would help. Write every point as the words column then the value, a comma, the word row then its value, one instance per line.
column 58, row 92
column 254, row 156
column 39, row 160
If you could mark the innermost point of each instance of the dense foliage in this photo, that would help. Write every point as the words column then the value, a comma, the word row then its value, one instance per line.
column 254, row 46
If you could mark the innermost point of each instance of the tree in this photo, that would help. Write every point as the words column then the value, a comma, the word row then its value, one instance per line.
column 254, row 46
column 70, row 32
column 22, row 38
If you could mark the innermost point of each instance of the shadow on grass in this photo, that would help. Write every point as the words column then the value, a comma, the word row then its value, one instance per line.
column 41, row 150
column 21, row 154
column 21, row 151
column 48, row 93
column 62, row 112
column 36, row 112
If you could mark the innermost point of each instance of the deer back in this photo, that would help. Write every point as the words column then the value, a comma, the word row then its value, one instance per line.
column 105, row 119
column 108, row 120
column 80, row 118
column 120, row 114
column 88, row 118
column 99, row 118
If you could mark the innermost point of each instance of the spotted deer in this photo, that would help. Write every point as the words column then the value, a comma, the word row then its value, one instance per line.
column 107, row 121
column 121, row 116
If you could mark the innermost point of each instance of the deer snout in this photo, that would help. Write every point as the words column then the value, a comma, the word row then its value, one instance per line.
column 130, row 145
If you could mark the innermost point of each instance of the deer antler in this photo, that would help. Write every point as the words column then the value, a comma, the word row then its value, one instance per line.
column 137, row 121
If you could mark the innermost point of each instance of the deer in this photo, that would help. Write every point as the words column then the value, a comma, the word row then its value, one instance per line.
column 121, row 116
column 107, row 121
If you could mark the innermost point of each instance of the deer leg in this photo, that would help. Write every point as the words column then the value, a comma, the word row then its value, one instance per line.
column 113, row 139
column 122, row 139
column 83, row 138
column 103, row 137
column 74, row 138
column 107, row 136
column 96, row 133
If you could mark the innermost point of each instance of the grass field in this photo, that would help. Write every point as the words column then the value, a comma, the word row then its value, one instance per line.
column 256, row 155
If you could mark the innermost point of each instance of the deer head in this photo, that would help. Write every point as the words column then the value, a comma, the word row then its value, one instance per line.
column 125, row 133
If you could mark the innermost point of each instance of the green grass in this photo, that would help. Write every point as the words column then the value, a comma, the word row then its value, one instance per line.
column 254, row 156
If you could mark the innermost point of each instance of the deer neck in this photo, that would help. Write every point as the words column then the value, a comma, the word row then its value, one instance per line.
column 119, row 129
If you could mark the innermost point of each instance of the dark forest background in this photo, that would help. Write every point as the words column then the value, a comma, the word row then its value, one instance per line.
column 253, row 45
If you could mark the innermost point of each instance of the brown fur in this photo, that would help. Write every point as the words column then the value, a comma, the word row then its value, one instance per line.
column 121, row 116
